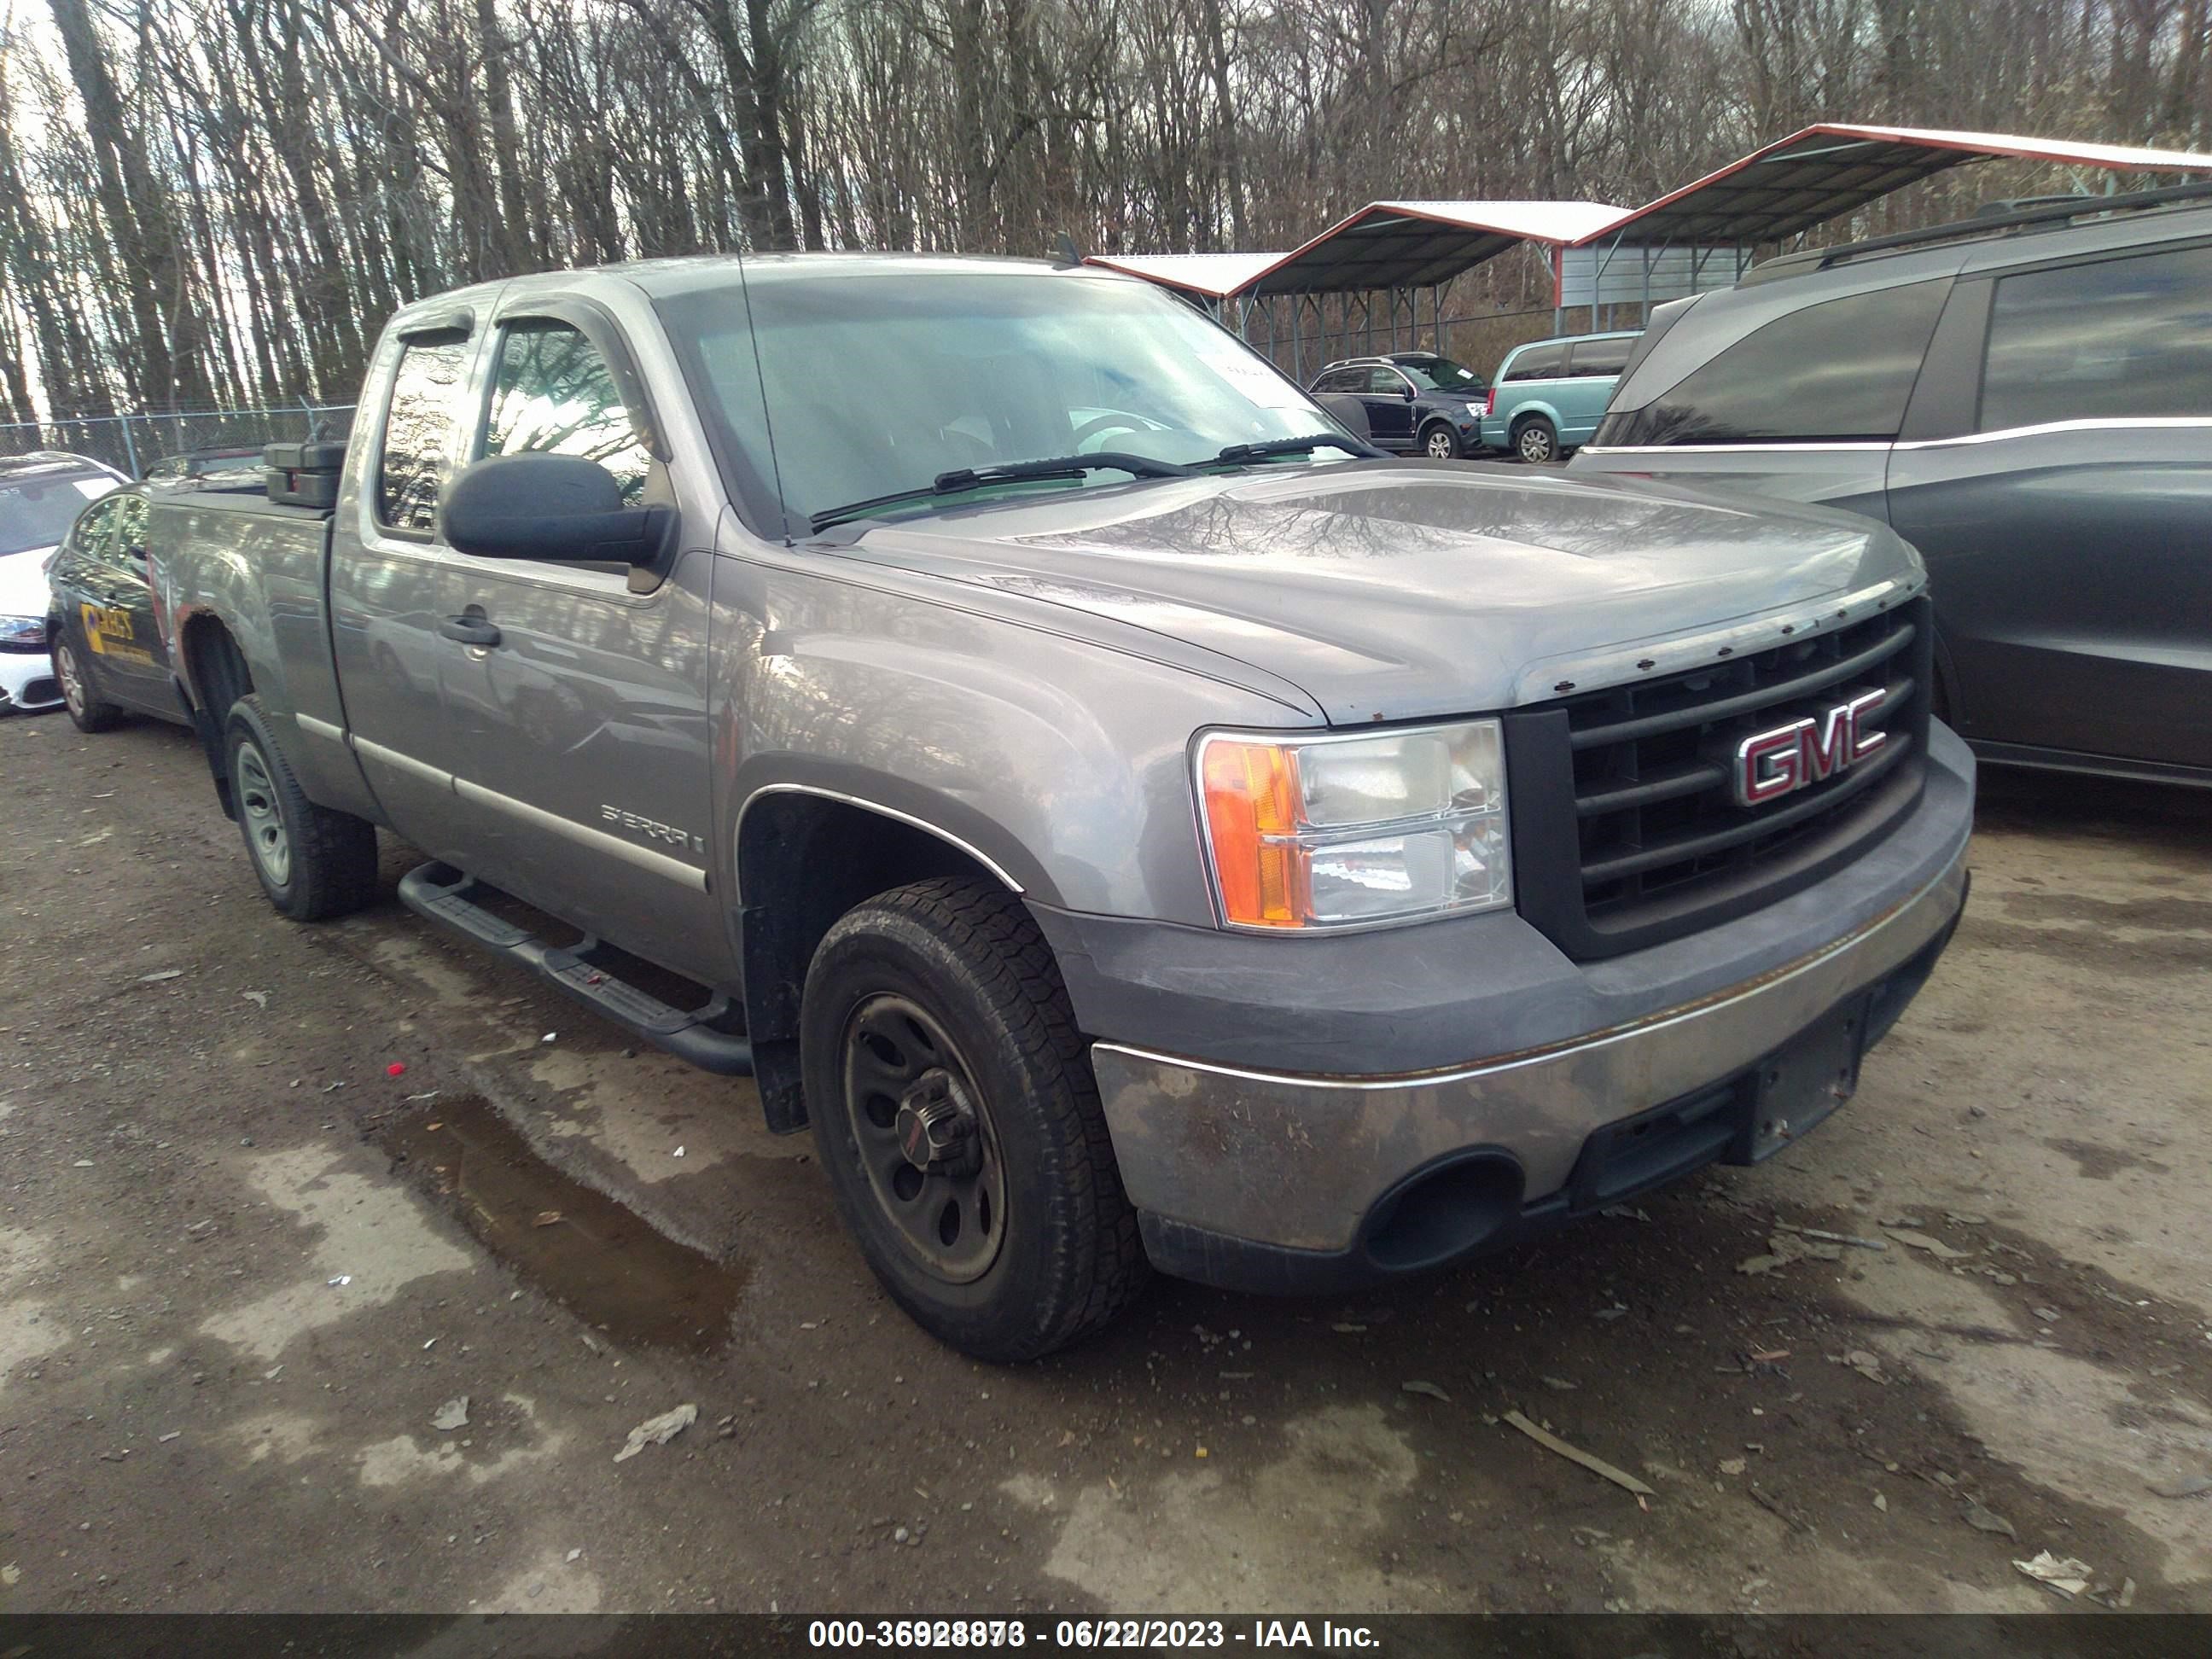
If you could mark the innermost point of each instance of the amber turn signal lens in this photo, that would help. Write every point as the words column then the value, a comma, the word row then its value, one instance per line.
column 1251, row 796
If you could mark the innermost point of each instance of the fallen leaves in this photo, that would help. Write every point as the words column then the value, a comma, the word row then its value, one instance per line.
column 1935, row 1247
column 2064, row 1574
column 1982, row 1520
column 1595, row 1465
column 657, row 1430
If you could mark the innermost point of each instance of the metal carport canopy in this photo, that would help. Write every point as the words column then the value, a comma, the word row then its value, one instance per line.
column 1211, row 276
column 1827, row 170
column 1406, row 244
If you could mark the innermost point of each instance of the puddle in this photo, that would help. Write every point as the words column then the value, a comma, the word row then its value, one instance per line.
column 597, row 1260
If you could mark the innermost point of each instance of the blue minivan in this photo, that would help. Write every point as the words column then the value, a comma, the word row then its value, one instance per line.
column 1548, row 396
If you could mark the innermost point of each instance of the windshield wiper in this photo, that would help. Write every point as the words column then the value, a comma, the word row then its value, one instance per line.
column 976, row 477
column 1304, row 446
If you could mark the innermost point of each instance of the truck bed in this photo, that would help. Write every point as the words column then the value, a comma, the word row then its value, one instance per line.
column 262, row 571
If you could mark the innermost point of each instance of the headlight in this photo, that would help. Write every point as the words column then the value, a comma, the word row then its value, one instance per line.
column 1475, row 410
column 23, row 633
column 1351, row 831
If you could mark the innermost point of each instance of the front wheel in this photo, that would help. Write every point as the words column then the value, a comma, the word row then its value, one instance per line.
column 311, row 862
column 1440, row 443
column 1535, row 442
column 956, row 1116
column 87, row 709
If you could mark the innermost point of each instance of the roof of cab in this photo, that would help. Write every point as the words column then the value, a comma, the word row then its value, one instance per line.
column 695, row 273
column 664, row 278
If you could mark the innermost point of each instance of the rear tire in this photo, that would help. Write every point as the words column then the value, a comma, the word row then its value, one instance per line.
column 1536, row 441
column 88, row 710
column 311, row 862
column 954, row 1106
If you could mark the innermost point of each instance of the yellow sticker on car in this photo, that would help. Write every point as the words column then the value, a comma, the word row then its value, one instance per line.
column 104, row 627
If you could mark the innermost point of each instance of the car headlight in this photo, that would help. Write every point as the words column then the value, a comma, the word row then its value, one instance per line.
column 23, row 633
column 1352, row 831
column 1475, row 410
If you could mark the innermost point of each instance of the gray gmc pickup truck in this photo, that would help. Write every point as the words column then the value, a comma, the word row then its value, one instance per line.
column 1132, row 822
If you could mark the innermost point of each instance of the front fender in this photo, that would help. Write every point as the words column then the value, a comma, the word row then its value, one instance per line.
column 1061, row 762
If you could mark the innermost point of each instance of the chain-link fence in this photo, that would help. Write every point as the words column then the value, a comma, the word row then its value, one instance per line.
column 136, row 443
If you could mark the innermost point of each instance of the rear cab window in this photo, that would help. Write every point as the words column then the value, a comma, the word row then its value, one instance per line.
column 1837, row 372
column 2110, row 339
column 416, row 449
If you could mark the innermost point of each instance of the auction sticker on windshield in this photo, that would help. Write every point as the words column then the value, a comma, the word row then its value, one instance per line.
column 1262, row 385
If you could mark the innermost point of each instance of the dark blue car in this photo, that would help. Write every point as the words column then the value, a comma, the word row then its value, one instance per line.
column 1417, row 403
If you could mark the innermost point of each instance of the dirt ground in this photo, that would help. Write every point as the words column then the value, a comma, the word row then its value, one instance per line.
column 242, row 1268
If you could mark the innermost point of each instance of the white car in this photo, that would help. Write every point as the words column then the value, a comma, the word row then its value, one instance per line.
column 40, row 495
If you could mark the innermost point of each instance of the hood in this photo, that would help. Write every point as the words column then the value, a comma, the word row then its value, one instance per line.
column 23, row 584
column 1398, row 590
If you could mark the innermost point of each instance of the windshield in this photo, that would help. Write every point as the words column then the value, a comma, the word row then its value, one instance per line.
column 966, row 370
column 1442, row 375
column 37, row 511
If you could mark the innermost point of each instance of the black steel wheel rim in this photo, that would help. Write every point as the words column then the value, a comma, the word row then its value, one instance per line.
column 924, row 1138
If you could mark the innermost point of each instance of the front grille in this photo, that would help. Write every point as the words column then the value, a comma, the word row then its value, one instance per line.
column 1627, row 831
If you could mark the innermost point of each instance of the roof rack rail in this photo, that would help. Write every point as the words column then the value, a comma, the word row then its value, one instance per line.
column 2046, row 212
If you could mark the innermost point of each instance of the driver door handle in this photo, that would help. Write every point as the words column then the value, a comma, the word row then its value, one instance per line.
column 470, row 631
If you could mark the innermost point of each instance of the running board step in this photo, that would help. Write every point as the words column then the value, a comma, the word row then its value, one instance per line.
column 444, row 895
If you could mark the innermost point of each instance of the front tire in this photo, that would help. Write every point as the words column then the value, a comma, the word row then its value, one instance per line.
column 311, row 862
column 88, row 710
column 1440, row 443
column 1536, row 441
column 954, row 1106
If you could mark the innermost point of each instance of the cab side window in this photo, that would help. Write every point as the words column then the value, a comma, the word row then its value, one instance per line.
column 1385, row 382
column 2113, row 338
column 553, row 393
column 418, row 429
column 1539, row 364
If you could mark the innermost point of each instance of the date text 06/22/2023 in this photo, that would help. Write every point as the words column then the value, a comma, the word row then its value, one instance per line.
column 1085, row 1633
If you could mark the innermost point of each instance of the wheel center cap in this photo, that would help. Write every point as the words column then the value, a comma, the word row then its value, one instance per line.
column 934, row 1127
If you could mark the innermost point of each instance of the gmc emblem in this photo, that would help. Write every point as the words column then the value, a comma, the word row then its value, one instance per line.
column 1771, row 764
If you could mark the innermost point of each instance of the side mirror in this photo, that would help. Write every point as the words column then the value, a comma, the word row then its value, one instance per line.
column 1406, row 394
column 538, row 506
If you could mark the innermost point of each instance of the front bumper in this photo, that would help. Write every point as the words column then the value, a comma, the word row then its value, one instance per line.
column 27, row 682
column 1600, row 1079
